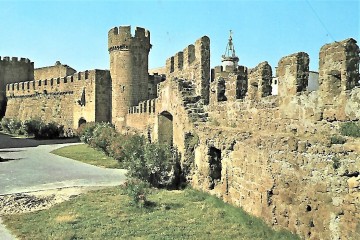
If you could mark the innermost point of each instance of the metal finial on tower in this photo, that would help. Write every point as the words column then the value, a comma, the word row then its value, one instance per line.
column 230, row 58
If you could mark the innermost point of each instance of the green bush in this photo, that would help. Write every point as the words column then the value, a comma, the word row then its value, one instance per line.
column 86, row 132
column 137, row 190
column 12, row 126
column 149, row 162
column 50, row 130
column 32, row 126
column 5, row 124
column 116, row 147
column 102, row 136
column 152, row 163
column 336, row 139
column 351, row 129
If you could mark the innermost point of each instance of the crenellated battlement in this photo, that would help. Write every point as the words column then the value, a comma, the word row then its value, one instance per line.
column 52, row 85
column 147, row 106
column 193, row 63
column 15, row 60
column 120, row 38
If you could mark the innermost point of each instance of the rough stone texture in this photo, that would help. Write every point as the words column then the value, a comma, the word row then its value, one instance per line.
column 59, row 99
column 260, row 81
column 58, row 70
column 13, row 70
column 338, row 73
column 193, row 63
column 293, row 73
column 228, row 84
column 271, row 155
column 129, row 69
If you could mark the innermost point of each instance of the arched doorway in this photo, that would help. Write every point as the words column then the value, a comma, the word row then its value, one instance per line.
column 165, row 128
column 81, row 121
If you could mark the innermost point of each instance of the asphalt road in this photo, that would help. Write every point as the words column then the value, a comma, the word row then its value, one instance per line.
column 27, row 165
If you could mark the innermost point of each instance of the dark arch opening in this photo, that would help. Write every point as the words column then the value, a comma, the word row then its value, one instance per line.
column 81, row 121
column 165, row 128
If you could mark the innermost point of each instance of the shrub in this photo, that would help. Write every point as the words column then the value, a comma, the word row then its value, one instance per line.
column 336, row 139
column 137, row 190
column 152, row 163
column 85, row 132
column 50, row 130
column 351, row 129
column 103, row 134
column 32, row 126
column 13, row 126
column 116, row 147
column 42, row 130
column 5, row 124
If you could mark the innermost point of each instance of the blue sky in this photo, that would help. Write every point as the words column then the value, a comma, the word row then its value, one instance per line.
column 75, row 32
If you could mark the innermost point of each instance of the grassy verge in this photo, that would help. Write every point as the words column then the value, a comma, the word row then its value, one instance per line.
column 106, row 214
column 86, row 154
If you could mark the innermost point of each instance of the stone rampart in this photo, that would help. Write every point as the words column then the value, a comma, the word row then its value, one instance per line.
column 273, row 155
column 193, row 63
column 63, row 100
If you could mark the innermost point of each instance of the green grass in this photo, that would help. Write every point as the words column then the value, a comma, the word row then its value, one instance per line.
column 107, row 214
column 86, row 154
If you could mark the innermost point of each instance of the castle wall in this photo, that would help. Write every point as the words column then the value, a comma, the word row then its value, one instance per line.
column 270, row 155
column 13, row 70
column 276, row 157
column 62, row 100
column 58, row 70
column 193, row 63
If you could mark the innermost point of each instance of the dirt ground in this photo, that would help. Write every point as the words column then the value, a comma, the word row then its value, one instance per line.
column 39, row 200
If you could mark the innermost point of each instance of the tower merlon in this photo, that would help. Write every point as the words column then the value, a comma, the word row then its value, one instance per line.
column 15, row 59
column 120, row 38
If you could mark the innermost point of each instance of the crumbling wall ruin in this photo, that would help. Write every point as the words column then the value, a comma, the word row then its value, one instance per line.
column 193, row 63
column 270, row 155
column 277, row 159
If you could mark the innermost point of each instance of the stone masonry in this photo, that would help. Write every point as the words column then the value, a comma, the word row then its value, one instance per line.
column 271, row 155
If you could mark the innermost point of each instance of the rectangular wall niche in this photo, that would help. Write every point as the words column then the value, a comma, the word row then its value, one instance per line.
column 214, row 166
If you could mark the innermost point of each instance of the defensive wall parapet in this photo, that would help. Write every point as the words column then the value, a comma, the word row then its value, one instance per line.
column 120, row 38
column 53, row 85
column 336, row 99
column 193, row 63
column 147, row 107
column 228, row 84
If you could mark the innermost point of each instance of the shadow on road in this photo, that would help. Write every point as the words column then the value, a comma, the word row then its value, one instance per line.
column 7, row 141
column 8, row 159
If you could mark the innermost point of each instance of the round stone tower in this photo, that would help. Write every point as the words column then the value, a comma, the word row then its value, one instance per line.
column 128, row 69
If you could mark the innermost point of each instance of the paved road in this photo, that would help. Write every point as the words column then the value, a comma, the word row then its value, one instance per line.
column 27, row 165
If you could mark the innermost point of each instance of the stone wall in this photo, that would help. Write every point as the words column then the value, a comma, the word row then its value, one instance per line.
column 270, row 155
column 58, row 70
column 12, row 70
column 84, row 95
column 276, row 156
column 193, row 63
